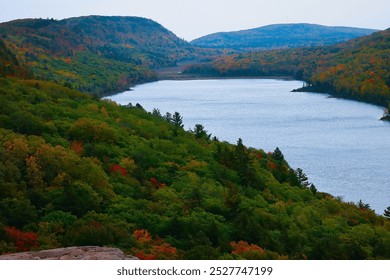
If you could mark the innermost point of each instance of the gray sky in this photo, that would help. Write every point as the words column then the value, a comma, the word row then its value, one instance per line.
column 190, row 19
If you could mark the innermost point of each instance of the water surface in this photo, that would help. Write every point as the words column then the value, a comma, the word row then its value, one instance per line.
column 340, row 144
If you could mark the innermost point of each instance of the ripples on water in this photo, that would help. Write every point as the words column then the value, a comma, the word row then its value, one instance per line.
column 340, row 144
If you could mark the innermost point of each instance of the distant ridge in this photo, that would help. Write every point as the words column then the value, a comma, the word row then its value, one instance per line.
column 281, row 36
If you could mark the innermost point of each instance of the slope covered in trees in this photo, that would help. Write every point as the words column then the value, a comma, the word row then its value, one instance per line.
column 94, row 54
column 278, row 36
column 75, row 170
column 357, row 69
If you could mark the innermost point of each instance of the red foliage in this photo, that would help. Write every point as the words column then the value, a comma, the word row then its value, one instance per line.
column 271, row 165
column 152, row 249
column 243, row 246
column 156, row 184
column 142, row 235
column 143, row 256
column 23, row 241
column 164, row 249
column 117, row 169
column 259, row 156
column 153, row 181
column 78, row 147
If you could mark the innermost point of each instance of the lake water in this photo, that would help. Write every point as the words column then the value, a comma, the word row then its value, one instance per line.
column 340, row 144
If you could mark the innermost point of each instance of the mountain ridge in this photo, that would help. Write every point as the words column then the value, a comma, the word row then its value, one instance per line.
column 357, row 69
column 281, row 36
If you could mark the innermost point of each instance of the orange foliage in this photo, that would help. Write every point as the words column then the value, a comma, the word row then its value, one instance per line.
column 143, row 256
column 243, row 246
column 271, row 165
column 142, row 236
column 152, row 249
column 78, row 147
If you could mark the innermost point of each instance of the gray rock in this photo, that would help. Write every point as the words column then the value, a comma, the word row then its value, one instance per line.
column 72, row 253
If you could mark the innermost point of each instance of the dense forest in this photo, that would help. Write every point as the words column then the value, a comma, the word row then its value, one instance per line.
column 278, row 36
column 79, row 170
column 95, row 54
column 76, row 170
column 357, row 69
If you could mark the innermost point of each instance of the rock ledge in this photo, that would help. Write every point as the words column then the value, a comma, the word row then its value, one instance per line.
column 72, row 253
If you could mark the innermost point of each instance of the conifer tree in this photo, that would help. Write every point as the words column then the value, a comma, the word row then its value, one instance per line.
column 387, row 212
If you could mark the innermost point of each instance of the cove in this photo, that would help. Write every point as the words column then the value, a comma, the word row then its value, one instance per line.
column 340, row 144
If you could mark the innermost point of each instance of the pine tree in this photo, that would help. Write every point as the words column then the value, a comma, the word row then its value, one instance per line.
column 302, row 178
column 387, row 212
column 277, row 155
column 177, row 119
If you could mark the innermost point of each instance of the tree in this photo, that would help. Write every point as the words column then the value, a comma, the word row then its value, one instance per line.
column 241, row 160
column 200, row 132
column 177, row 119
column 302, row 178
column 363, row 206
column 23, row 241
column 168, row 117
column 277, row 155
column 156, row 113
column 387, row 212
column 313, row 188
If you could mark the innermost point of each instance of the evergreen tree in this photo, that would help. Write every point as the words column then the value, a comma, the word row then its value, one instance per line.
column 302, row 178
column 277, row 155
column 241, row 159
column 168, row 117
column 156, row 113
column 363, row 205
column 200, row 132
column 177, row 120
column 387, row 212
column 313, row 188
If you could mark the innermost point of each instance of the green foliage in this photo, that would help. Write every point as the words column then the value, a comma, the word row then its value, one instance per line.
column 94, row 54
column 386, row 213
column 277, row 36
column 357, row 69
column 97, row 173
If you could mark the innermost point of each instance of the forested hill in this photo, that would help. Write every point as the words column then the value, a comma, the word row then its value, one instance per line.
column 278, row 36
column 357, row 69
column 94, row 54
column 76, row 170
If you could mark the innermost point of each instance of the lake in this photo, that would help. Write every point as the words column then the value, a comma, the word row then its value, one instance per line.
column 340, row 144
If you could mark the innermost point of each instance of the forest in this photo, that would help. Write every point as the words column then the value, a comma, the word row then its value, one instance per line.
column 358, row 69
column 96, row 54
column 280, row 36
column 78, row 170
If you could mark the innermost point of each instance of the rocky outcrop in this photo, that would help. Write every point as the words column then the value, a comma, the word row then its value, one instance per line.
column 72, row 253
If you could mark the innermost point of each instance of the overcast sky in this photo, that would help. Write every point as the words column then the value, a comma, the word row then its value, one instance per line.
column 190, row 19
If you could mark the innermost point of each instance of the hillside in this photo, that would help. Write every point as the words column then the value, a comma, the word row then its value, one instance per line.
column 77, row 171
column 94, row 54
column 357, row 69
column 279, row 36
